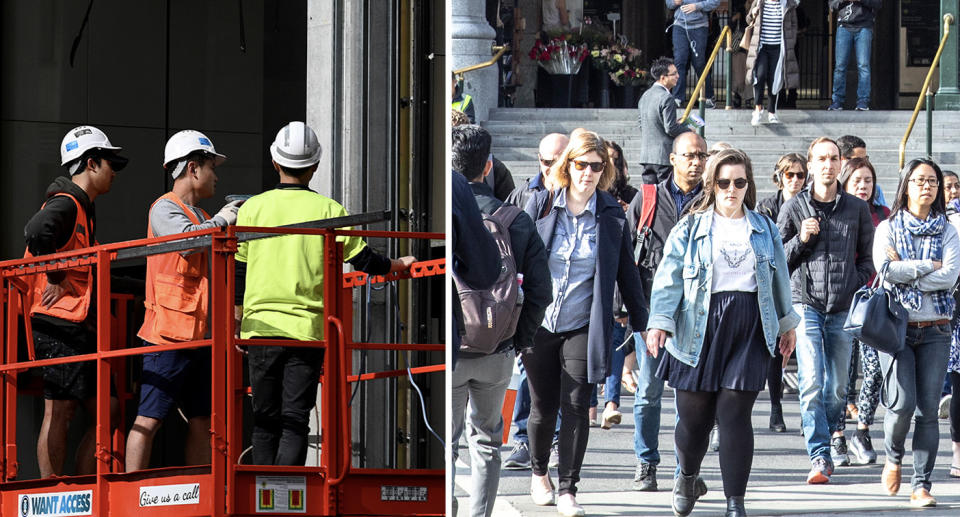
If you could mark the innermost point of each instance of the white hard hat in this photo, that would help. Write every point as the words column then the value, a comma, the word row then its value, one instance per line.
column 81, row 139
column 296, row 146
column 181, row 144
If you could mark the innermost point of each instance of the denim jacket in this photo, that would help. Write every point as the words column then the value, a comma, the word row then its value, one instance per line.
column 680, row 300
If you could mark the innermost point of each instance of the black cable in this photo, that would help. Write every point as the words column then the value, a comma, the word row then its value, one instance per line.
column 79, row 36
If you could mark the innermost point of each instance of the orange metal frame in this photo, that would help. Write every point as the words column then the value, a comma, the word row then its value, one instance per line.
column 225, row 487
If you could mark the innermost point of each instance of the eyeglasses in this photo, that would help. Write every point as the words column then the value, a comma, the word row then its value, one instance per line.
column 925, row 181
column 595, row 166
column 691, row 156
column 545, row 162
column 791, row 175
column 724, row 184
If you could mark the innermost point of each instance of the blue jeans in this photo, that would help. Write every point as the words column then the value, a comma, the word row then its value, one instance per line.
column 646, row 408
column 823, row 360
column 611, row 389
column 913, row 388
column 682, row 54
column 521, row 410
column 859, row 42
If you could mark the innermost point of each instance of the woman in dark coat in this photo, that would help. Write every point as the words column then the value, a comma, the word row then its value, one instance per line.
column 771, row 60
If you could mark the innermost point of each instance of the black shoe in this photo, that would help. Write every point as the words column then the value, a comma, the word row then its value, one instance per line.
column 519, row 459
column 838, row 451
column 735, row 507
column 686, row 491
column 645, row 477
column 776, row 419
column 554, row 461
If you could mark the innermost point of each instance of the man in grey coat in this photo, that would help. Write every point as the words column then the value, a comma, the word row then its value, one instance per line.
column 658, row 122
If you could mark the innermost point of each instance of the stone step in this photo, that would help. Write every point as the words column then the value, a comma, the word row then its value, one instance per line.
column 630, row 115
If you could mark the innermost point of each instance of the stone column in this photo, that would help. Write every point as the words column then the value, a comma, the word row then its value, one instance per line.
column 472, row 39
column 948, row 96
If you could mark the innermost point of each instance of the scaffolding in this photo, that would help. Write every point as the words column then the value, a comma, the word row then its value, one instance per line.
column 225, row 487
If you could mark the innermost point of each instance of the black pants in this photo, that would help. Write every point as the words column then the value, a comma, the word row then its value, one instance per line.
column 654, row 173
column 284, row 384
column 775, row 377
column 955, row 407
column 764, row 68
column 558, row 360
column 696, row 411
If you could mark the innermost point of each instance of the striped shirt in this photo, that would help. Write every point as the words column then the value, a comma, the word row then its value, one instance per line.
column 771, row 26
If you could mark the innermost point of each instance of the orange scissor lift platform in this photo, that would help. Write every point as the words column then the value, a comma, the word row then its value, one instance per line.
column 225, row 487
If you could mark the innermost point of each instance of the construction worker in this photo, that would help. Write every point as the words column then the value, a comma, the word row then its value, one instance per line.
column 62, row 307
column 176, row 302
column 461, row 101
column 280, row 287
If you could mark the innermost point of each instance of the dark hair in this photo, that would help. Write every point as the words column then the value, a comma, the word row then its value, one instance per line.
column 950, row 173
column 620, row 182
column 900, row 203
column 726, row 157
column 847, row 143
column 660, row 67
column 198, row 156
column 783, row 165
column 851, row 166
column 296, row 173
column 469, row 150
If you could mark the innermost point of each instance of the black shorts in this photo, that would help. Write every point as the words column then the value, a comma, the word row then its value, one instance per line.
column 66, row 381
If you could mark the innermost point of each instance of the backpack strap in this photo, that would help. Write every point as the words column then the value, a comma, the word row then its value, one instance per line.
column 506, row 214
column 547, row 206
column 648, row 194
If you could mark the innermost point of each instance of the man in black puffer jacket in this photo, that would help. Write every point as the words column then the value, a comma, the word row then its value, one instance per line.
column 828, row 237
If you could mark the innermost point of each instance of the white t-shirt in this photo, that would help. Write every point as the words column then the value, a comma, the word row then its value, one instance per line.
column 734, row 263
column 551, row 16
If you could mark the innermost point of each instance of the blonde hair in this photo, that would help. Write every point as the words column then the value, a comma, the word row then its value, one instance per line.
column 581, row 143
column 726, row 157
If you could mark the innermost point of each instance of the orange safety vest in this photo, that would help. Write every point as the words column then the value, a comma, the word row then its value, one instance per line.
column 71, row 306
column 176, row 298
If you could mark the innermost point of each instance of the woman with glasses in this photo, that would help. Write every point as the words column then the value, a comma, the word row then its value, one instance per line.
column 720, row 299
column 585, row 231
column 921, row 252
column 858, row 177
column 790, row 177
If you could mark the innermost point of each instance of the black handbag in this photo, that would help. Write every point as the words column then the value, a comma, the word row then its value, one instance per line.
column 877, row 318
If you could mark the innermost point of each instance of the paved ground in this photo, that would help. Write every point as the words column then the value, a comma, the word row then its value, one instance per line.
column 777, row 482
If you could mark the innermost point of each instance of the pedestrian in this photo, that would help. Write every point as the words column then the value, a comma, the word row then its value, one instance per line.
column 720, row 299
column 460, row 101
column 858, row 177
column 921, row 254
column 852, row 146
column 176, row 301
column 953, row 371
column 675, row 196
column 691, row 21
column 658, row 122
column 771, row 60
column 951, row 187
column 827, row 236
column 63, row 310
column 279, row 295
column 481, row 379
column 548, row 151
column 569, row 354
column 790, row 176
column 854, row 34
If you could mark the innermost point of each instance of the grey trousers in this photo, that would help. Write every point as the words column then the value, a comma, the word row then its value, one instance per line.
column 481, row 382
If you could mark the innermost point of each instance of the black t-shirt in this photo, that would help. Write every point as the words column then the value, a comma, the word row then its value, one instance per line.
column 824, row 208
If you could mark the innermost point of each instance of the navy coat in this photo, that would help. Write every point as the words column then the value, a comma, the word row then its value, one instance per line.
column 614, row 266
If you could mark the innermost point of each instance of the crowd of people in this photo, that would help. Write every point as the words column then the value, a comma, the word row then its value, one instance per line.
column 690, row 281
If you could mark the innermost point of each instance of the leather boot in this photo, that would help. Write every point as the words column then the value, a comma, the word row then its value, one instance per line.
column 776, row 419
column 686, row 491
column 735, row 507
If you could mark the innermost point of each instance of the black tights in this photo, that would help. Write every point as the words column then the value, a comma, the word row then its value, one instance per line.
column 732, row 410
column 764, row 68
column 775, row 377
column 955, row 407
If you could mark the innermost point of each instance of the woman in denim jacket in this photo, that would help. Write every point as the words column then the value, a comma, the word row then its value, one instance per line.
column 721, row 297
column 921, row 251
column 588, row 240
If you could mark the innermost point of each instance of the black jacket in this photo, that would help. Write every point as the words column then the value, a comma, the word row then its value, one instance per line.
column 770, row 206
column 500, row 180
column 50, row 228
column 826, row 270
column 664, row 219
column 855, row 14
column 614, row 266
column 531, row 259
column 522, row 194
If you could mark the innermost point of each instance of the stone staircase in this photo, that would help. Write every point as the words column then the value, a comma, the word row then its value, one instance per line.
column 517, row 131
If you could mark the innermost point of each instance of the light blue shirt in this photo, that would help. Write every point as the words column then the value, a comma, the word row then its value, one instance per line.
column 573, row 264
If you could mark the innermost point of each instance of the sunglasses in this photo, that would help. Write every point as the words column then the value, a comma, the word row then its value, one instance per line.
column 548, row 163
column 724, row 184
column 791, row 175
column 595, row 166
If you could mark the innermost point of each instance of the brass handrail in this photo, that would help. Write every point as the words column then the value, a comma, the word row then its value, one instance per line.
column 724, row 34
column 499, row 49
column 947, row 22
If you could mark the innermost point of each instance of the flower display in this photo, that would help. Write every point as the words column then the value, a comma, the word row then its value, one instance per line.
column 621, row 62
column 559, row 54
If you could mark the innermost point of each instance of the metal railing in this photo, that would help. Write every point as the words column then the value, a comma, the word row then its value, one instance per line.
column 698, row 90
column 926, row 94
column 498, row 50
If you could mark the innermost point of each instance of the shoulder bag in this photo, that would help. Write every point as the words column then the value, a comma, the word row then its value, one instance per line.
column 877, row 318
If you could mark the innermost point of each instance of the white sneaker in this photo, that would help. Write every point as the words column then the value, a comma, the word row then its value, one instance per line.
column 944, row 409
column 568, row 507
column 772, row 118
column 541, row 495
column 755, row 118
column 611, row 416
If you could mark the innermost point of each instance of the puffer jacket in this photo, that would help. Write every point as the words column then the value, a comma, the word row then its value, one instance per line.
column 826, row 270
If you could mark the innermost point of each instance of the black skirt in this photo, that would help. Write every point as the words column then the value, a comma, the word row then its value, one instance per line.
column 734, row 354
